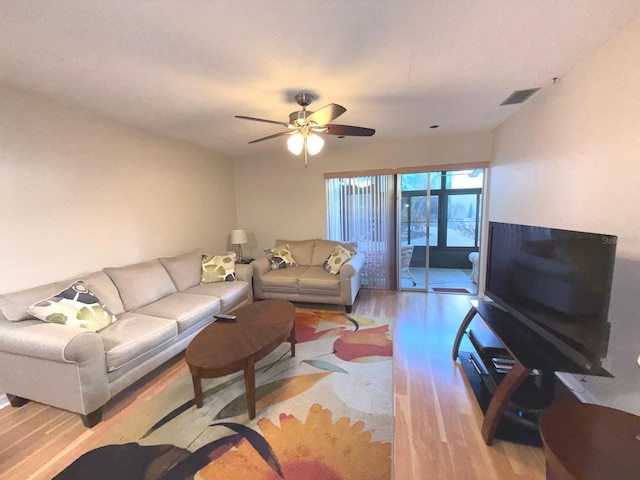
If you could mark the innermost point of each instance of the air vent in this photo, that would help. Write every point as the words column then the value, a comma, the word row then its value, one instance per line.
column 519, row 96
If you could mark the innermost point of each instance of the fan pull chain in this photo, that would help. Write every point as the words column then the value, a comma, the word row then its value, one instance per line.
column 305, row 153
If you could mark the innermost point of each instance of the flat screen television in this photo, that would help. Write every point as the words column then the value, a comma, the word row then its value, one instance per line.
column 558, row 283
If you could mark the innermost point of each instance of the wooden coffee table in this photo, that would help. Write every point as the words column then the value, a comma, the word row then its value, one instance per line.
column 584, row 441
column 222, row 348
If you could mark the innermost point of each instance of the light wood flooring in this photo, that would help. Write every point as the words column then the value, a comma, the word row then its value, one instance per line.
column 437, row 419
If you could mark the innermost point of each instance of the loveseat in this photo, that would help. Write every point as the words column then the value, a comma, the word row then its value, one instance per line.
column 307, row 280
column 158, row 306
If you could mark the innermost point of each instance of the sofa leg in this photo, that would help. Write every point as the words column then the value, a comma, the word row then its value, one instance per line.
column 347, row 308
column 16, row 401
column 92, row 419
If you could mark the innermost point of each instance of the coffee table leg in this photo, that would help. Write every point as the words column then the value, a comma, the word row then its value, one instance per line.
column 250, row 385
column 197, row 388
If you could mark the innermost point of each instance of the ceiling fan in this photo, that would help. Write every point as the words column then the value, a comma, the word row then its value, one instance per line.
column 304, row 127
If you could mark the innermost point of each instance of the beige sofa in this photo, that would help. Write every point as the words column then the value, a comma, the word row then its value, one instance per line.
column 160, row 306
column 308, row 281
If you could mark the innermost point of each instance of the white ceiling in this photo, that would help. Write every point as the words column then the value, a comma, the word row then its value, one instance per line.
column 185, row 68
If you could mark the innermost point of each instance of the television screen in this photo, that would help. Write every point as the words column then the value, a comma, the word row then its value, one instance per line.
column 558, row 282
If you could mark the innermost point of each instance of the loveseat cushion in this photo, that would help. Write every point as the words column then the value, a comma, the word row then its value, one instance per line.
column 316, row 279
column 280, row 257
column 323, row 249
column 134, row 335
column 185, row 308
column 337, row 258
column 229, row 293
column 302, row 250
column 184, row 269
column 141, row 283
column 283, row 279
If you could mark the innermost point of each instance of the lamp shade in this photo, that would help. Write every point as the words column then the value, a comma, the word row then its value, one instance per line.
column 239, row 236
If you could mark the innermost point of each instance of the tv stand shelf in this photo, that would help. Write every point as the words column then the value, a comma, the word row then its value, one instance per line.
column 529, row 352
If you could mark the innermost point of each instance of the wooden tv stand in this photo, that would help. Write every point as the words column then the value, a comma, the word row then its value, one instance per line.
column 531, row 355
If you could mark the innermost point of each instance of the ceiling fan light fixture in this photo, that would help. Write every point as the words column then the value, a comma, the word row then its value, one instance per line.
column 306, row 128
column 295, row 143
column 314, row 144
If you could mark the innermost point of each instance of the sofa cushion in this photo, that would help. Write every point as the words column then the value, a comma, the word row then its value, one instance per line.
column 134, row 335
column 185, row 308
column 77, row 306
column 14, row 306
column 280, row 257
column 302, row 250
column 103, row 288
column 218, row 268
column 229, row 293
column 184, row 269
column 141, row 284
column 323, row 249
column 316, row 279
column 284, row 279
column 336, row 259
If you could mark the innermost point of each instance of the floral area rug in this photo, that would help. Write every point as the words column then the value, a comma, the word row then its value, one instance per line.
column 324, row 415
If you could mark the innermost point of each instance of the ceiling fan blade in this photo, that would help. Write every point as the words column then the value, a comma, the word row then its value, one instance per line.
column 349, row 131
column 275, row 122
column 275, row 135
column 326, row 114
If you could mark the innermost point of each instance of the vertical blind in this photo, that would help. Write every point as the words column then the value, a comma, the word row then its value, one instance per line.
column 361, row 210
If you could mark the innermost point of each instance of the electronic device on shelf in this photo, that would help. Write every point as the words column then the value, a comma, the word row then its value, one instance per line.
column 557, row 283
column 546, row 305
column 224, row 317
column 500, row 362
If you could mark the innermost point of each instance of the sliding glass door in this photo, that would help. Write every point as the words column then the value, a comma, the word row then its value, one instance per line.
column 425, row 237
column 440, row 224
column 416, row 225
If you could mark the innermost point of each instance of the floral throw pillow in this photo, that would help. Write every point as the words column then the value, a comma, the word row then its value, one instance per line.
column 218, row 268
column 76, row 306
column 280, row 257
column 336, row 259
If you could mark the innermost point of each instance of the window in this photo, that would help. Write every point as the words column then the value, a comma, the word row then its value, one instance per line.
column 454, row 213
column 459, row 209
column 462, row 220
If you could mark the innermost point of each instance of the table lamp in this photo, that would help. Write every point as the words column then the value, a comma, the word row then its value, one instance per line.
column 238, row 237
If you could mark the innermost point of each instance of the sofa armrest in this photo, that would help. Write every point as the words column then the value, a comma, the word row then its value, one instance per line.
column 59, row 365
column 260, row 269
column 352, row 267
column 260, row 266
column 244, row 272
column 50, row 341
column 350, row 279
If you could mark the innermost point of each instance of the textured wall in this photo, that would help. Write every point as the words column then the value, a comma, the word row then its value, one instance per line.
column 278, row 198
column 79, row 192
column 571, row 159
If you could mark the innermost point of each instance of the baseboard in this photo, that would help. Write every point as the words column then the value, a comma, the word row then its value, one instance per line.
column 4, row 401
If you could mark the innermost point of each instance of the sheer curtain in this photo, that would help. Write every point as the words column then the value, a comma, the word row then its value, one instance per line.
column 362, row 210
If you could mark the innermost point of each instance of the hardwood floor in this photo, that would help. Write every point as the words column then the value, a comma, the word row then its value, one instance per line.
column 437, row 419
